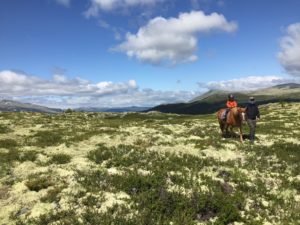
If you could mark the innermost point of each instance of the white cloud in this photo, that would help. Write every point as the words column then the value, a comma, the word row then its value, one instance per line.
column 17, row 84
column 247, row 83
column 289, row 56
column 63, row 92
column 65, row 3
column 108, row 5
column 173, row 40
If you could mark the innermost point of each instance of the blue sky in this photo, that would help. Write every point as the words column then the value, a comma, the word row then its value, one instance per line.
column 67, row 53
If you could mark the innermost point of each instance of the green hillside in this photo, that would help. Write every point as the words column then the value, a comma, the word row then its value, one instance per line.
column 213, row 100
column 148, row 168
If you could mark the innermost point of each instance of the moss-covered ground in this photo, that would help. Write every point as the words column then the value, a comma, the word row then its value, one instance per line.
column 148, row 168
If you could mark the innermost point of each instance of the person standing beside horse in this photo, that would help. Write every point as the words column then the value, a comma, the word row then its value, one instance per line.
column 252, row 114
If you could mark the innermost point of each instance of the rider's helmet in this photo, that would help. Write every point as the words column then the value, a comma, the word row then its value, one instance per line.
column 231, row 97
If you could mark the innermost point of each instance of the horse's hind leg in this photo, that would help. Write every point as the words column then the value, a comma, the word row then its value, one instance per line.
column 221, row 127
column 226, row 130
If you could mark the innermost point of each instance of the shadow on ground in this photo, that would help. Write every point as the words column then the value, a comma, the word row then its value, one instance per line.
column 237, row 136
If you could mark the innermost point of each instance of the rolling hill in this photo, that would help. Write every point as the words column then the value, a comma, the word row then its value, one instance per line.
column 213, row 100
column 15, row 106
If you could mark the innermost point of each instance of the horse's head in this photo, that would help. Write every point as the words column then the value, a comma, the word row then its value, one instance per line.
column 242, row 112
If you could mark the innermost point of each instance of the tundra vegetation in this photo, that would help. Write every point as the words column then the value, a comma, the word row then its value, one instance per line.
column 148, row 168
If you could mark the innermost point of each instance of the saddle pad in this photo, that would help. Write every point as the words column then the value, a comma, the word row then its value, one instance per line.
column 223, row 114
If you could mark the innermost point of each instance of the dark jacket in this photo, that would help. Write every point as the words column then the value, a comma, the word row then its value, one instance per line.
column 252, row 111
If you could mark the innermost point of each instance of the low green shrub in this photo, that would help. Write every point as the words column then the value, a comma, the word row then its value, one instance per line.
column 69, row 110
column 37, row 183
column 4, row 129
column 28, row 156
column 8, row 143
column 53, row 194
column 66, row 217
column 48, row 138
column 60, row 158
column 100, row 155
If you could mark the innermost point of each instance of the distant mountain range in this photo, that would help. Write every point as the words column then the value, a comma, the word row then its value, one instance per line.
column 124, row 109
column 213, row 100
column 14, row 106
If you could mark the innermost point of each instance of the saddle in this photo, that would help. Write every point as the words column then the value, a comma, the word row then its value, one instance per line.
column 224, row 114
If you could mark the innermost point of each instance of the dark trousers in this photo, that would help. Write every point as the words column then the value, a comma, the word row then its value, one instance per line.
column 252, row 126
column 225, row 114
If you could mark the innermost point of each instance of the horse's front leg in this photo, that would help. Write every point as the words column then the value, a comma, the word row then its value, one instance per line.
column 231, row 132
column 241, row 134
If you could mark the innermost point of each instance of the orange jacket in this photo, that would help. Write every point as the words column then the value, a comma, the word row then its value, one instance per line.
column 231, row 104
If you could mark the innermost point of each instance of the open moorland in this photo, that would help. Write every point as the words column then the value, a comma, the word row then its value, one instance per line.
column 148, row 168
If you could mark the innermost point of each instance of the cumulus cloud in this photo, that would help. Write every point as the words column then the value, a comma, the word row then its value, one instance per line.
column 247, row 83
column 65, row 3
column 18, row 84
column 289, row 56
column 63, row 92
column 108, row 5
column 173, row 40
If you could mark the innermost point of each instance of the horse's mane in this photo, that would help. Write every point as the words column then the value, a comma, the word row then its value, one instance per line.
column 235, row 111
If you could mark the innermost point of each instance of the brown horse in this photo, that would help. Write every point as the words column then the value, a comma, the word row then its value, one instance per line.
column 234, row 119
